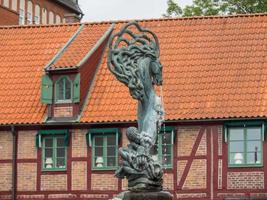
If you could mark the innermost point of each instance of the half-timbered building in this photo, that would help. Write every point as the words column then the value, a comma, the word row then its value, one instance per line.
column 63, row 115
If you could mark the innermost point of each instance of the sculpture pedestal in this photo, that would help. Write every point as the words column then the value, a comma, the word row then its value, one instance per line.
column 161, row 195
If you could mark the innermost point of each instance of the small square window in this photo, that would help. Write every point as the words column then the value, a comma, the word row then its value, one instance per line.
column 244, row 146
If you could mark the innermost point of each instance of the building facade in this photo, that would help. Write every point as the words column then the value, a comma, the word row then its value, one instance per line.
column 64, row 115
column 39, row 12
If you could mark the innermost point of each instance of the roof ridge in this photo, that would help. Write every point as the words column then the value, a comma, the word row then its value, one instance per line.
column 139, row 20
column 39, row 25
column 179, row 18
column 61, row 51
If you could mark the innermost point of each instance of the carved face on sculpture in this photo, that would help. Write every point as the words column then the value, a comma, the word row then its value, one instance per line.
column 156, row 72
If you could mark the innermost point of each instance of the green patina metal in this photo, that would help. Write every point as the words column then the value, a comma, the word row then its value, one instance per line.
column 134, row 60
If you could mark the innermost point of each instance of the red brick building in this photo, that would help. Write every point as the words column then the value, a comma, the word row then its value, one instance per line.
column 13, row 12
column 63, row 115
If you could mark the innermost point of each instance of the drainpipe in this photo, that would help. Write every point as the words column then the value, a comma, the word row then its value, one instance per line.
column 14, row 163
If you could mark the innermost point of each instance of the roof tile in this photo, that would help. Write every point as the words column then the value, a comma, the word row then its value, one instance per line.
column 213, row 67
column 24, row 51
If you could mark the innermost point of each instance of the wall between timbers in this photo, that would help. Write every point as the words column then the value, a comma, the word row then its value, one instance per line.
column 199, row 171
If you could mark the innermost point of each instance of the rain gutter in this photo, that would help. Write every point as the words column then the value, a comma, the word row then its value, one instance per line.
column 14, row 162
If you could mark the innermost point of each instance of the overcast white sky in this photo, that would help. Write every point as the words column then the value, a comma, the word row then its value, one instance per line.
column 103, row 10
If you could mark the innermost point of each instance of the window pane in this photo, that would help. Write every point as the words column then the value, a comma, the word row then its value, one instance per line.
column 60, row 94
column 111, row 161
column 236, row 158
column 253, row 146
column 99, row 141
column 60, row 142
column 6, row 3
column 68, row 89
column 99, row 151
column 254, row 133
column 48, row 142
column 236, row 146
column 99, row 161
column 111, row 151
column 48, row 153
column 236, row 134
column 48, row 162
column 51, row 18
column 166, row 160
column 14, row 5
column 60, row 152
column 154, row 150
column 254, row 158
column 61, row 163
column 111, row 140
column 166, row 138
column 166, row 149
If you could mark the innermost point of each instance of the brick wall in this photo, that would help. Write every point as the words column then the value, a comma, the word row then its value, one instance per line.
column 26, row 145
column 11, row 17
column 8, row 17
column 180, row 169
column 195, row 184
column 245, row 180
column 27, row 176
column 186, row 139
column 79, row 146
column 79, row 175
column 202, row 148
column 5, row 176
column 54, row 182
column 197, row 175
column 6, row 145
column 168, row 181
column 54, row 7
column 104, row 182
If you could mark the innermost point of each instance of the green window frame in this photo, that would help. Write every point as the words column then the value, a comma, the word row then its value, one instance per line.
column 54, row 153
column 53, row 143
column 104, row 144
column 164, row 144
column 63, row 92
column 245, row 143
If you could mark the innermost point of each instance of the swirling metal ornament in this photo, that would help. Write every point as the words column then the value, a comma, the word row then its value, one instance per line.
column 134, row 60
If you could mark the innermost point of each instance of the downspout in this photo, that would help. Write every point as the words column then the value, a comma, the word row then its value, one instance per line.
column 14, row 162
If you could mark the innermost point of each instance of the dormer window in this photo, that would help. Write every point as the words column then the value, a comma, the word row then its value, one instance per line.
column 63, row 90
column 62, row 93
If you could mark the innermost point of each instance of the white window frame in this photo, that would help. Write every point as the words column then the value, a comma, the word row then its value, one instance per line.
column 6, row 3
column 29, row 12
column 14, row 5
column 37, row 12
column 22, row 12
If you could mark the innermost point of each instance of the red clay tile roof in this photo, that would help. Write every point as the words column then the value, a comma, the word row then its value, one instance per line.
column 24, row 53
column 82, row 44
column 213, row 67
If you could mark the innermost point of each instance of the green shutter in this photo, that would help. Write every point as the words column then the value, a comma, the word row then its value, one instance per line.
column 47, row 90
column 76, row 89
column 65, row 132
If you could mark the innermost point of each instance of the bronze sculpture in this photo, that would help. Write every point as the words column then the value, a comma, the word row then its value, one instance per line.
column 134, row 60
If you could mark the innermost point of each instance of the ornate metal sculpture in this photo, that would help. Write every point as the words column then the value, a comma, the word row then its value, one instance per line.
column 134, row 60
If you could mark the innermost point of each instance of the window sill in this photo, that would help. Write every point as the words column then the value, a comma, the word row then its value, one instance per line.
column 105, row 169
column 63, row 101
column 245, row 166
column 54, row 170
